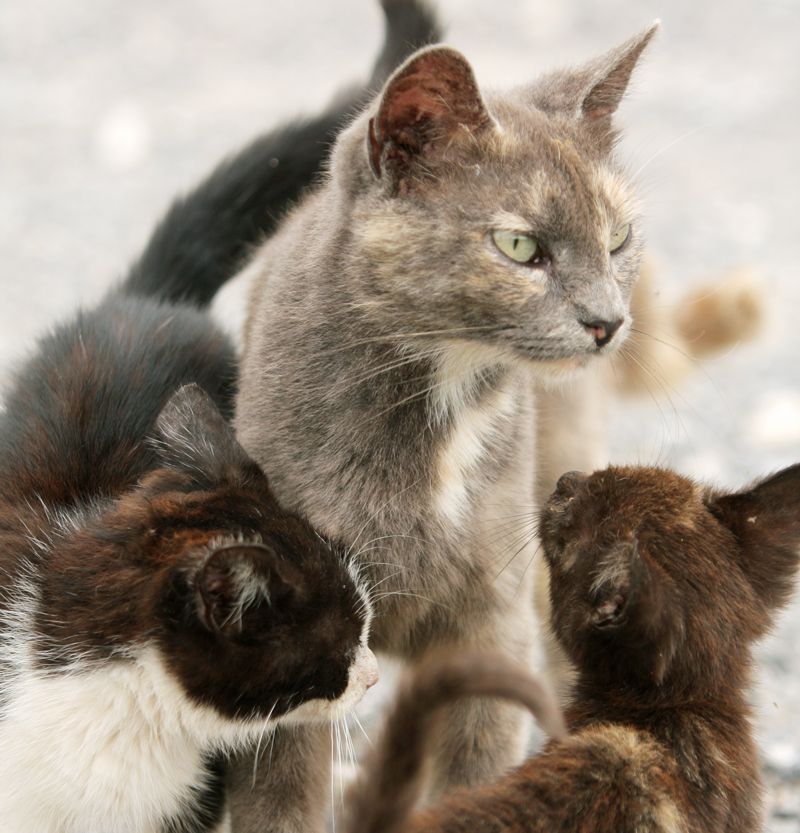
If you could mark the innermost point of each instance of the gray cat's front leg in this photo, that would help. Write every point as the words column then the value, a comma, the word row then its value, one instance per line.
column 289, row 791
column 477, row 739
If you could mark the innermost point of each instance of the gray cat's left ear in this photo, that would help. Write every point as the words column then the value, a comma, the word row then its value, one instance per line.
column 428, row 105
column 592, row 93
column 193, row 436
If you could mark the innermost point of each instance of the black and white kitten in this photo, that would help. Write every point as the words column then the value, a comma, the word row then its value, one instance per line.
column 157, row 607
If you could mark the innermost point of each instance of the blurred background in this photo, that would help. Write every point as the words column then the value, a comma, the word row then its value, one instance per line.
column 109, row 109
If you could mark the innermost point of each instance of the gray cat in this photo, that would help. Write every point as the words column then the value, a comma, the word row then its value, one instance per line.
column 463, row 248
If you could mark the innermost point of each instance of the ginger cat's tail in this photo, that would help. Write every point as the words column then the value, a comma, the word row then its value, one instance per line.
column 393, row 773
column 667, row 340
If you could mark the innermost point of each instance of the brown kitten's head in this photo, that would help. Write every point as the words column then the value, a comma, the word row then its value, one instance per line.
column 239, row 607
column 499, row 219
column 656, row 582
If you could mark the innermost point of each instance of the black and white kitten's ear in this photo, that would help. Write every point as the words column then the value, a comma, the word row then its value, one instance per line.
column 630, row 601
column 593, row 92
column 430, row 103
column 240, row 586
column 193, row 436
column 766, row 522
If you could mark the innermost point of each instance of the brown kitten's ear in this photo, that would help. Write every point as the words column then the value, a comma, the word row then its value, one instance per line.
column 629, row 599
column 193, row 436
column 429, row 103
column 593, row 93
column 766, row 522
column 616, row 581
column 238, row 588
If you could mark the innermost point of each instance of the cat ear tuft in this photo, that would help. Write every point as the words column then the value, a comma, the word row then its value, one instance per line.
column 625, row 591
column 429, row 103
column 193, row 436
column 615, row 582
column 611, row 75
column 766, row 522
column 592, row 93
column 239, row 586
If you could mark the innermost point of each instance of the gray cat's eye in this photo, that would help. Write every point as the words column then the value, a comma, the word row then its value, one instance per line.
column 619, row 237
column 519, row 247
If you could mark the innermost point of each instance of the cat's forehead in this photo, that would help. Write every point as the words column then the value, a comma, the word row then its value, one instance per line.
column 619, row 501
column 647, row 491
column 546, row 165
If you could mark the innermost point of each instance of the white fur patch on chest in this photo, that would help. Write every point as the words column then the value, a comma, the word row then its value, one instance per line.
column 107, row 749
column 474, row 424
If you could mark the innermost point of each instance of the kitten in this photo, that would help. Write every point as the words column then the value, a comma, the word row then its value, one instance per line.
column 157, row 606
column 461, row 247
column 658, row 587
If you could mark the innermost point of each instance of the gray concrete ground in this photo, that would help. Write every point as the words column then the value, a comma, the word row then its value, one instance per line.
column 109, row 108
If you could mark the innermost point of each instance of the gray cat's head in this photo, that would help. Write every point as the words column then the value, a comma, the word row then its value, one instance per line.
column 498, row 219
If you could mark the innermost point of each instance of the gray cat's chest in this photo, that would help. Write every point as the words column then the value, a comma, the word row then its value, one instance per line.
column 420, row 476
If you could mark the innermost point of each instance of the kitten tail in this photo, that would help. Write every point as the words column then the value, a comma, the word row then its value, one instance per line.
column 387, row 793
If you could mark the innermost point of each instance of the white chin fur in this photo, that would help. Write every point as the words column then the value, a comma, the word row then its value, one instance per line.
column 554, row 373
column 363, row 675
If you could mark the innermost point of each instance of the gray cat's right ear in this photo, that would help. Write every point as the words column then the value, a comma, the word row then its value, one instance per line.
column 192, row 435
column 592, row 93
column 430, row 104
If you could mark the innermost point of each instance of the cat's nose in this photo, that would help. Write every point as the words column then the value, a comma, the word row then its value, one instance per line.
column 602, row 331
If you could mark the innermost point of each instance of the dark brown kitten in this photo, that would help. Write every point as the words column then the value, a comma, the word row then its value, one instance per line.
column 659, row 587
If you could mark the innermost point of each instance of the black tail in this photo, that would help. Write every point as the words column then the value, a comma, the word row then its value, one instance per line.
column 390, row 787
column 205, row 236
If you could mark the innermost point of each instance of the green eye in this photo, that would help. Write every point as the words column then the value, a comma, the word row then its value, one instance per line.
column 520, row 247
column 619, row 237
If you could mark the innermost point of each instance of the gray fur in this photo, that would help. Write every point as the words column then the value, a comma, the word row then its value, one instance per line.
column 392, row 353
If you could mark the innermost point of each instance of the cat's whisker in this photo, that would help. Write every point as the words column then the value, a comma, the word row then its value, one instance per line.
column 395, row 364
column 695, row 361
column 351, row 750
column 361, row 727
column 513, row 516
column 510, row 526
column 394, row 338
column 264, row 732
column 656, row 400
column 529, row 538
column 528, row 565
column 421, row 394
column 333, row 783
column 383, row 580
column 363, row 548
column 271, row 746
column 380, row 508
column 512, row 529
column 511, row 539
column 664, row 149
column 389, row 593
column 337, row 727
column 667, row 390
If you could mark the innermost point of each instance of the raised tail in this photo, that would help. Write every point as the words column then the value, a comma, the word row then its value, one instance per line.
column 207, row 234
column 391, row 785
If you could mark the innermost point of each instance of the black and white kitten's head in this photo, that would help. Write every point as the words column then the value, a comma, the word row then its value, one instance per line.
column 244, row 614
